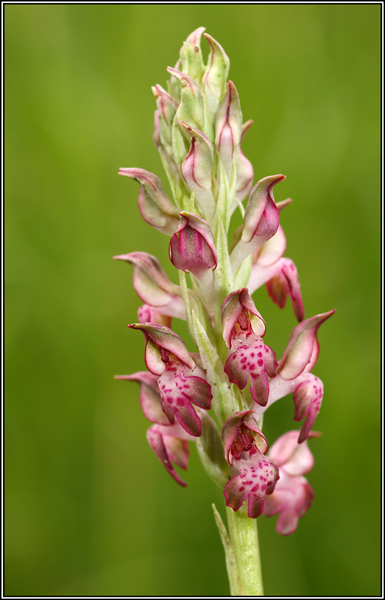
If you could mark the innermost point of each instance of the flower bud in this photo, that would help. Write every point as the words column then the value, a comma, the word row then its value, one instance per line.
column 228, row 127
column 191, row 61
column 198, row 170
column 155, row 206
column 166, row 111
column 190, row 109
column 261, row 221
column 244, row 169
column 192, row 247
column 215, row 77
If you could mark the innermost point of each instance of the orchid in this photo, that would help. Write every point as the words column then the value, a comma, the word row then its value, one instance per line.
column 217, row 397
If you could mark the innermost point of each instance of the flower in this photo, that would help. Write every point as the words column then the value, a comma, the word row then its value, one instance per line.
column 252, row 358
column 167, row 357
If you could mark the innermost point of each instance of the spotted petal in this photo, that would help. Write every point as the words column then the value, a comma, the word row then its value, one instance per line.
column 257, row 478
column 178, row 389
column 255, row 359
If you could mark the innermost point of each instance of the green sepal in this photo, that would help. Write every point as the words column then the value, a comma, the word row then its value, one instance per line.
column 215, row 77
column 191, row 60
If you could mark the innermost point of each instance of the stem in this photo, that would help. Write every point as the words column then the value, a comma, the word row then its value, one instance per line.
column 244, row 540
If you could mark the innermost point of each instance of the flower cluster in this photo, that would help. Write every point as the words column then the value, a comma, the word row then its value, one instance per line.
column 217, row 396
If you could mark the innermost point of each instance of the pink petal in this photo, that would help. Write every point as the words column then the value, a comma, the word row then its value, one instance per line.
column 257, row 478
column 157, row 443
column 307, row 400
column 252, row 357
column 292, row 497
column 291, row 456
column 178, row 389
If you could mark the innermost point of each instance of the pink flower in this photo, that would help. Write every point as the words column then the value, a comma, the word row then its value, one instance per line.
column 252, row 358
column 167, row 357
column 293, row 495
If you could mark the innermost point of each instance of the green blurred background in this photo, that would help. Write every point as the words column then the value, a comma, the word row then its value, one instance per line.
column 89, row 510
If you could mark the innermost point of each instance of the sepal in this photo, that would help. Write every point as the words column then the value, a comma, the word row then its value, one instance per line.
column 302, row 350
column 239, row 314
column 244, row 169
column 160, row 341
column 215, row 76
column 152, row 284
column 228, row 127
column 240, row 433
column 198, row 170
column 192, row 246
column 286, row 283
column 156, row 208
column 149, row 396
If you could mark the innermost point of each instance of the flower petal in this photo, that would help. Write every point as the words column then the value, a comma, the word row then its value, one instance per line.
column 291, row 456
column 257, row 478
column 292, row 497
column 178, row 388
column 157, row 443
column 307, row 400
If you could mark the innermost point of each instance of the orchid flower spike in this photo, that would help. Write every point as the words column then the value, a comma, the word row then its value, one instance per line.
column 218, row 395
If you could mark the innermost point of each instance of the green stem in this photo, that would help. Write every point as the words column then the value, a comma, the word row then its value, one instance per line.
column 244, row 540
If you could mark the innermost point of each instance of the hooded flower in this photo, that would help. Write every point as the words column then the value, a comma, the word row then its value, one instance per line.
column 240, row 433
column 167, row 357
column 243, row 328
